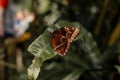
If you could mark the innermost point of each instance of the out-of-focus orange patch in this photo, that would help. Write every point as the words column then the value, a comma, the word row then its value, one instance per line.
column 24, row 37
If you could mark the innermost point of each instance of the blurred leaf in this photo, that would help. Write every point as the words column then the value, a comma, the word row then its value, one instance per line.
column 118, row 68
column 90, row 48
column 53, row 16
column 74, row 75
column 43, row 6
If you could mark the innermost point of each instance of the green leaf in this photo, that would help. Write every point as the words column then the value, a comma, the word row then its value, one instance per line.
column 42, row 50
column 34, row 69
column 118, row 68
column 89, row 46
column 73, row 75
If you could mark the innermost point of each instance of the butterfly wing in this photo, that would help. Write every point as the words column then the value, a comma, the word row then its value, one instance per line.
column 61, row 39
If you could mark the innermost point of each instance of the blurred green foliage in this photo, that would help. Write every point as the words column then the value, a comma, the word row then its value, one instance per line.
column 100, row 17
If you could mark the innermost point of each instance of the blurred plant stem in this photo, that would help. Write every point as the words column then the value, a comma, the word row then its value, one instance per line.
column 115, row 35
column 101, row 17
column 10, row 65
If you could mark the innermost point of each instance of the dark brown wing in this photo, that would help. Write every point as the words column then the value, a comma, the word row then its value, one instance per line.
column 62, row 38
column 62, row 48
column 59, row 42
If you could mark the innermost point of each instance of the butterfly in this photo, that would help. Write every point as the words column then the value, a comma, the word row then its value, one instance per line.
column 62, row 38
